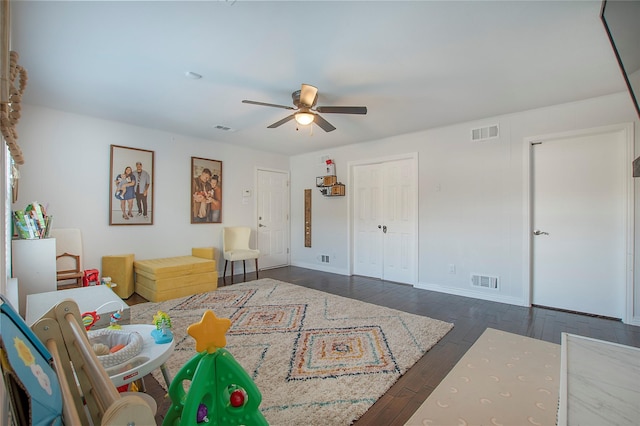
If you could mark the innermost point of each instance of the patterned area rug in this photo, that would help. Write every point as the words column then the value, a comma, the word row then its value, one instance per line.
column 317, row 358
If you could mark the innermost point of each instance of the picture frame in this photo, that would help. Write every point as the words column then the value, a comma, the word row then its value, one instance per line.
column 125, row 206
column 206, row 191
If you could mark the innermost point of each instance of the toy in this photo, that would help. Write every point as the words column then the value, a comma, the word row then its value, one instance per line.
column 91, row 277
column 100, row 349
column 107, row 281
column 89, row 318
column 116, row 348
column 221, row 392
column 115, row 318
column 162, row 333
column 201, row 416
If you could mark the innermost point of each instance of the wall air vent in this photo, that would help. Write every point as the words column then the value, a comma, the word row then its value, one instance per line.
column 484, row 281
column 484, row 133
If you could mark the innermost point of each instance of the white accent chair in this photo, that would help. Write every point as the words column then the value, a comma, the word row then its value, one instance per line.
column 235, row 246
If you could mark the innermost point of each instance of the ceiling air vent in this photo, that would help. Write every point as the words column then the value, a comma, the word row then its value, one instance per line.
column 223, row 128
column 484, row 133
column 484, row 281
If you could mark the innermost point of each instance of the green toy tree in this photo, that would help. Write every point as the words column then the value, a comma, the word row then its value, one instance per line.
column 221, row 391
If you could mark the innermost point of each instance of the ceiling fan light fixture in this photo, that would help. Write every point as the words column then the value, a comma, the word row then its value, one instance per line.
column 304, row 118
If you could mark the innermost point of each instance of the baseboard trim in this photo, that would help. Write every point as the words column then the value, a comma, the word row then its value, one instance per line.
column 322, row 268
column 472, row 294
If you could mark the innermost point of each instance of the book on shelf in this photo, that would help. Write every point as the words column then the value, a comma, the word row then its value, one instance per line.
column 32, row 223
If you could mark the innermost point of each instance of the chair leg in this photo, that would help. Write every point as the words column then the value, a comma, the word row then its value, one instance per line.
column 232, row 272
column 244, row 270
column 224, row 274
column 257, row 268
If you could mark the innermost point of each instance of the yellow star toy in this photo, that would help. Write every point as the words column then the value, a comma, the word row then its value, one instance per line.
column 209, row 332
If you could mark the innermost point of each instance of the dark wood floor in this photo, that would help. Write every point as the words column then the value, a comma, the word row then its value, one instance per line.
column 470, row 317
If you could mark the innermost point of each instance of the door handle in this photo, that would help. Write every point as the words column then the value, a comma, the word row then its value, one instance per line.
column 539, row 232
column 261, row 225
column 384, row 229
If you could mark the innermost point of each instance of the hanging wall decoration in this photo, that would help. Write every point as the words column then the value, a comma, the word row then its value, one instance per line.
column 131, row 192
column 206, row 190
column 13, row 80
column 10, row 108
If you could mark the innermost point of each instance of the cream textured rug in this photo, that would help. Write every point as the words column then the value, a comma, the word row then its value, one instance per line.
column 503, row 379
column 317, row 358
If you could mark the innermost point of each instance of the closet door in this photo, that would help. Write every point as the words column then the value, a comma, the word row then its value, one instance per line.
column 399, row 217
column 385, row 220
column 579, row 200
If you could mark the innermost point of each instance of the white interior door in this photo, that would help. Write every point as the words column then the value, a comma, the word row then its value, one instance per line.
column 579, row 210
column 385, row 217
column 368, row 242
column 273, row 218
column 399, row 218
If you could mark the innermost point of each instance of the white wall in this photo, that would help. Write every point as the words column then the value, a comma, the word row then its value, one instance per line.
column 470, row 197
column 470, row 207
column 67, row 168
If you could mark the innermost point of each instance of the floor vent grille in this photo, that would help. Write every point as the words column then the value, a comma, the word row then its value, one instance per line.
column 484, row 281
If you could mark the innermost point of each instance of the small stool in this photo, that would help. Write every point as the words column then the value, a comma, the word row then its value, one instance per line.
column 120, row 269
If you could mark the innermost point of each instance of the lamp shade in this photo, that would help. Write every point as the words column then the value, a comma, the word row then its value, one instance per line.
column 304, row 118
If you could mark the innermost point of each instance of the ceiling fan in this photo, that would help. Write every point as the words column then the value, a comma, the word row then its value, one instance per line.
column 306, row 110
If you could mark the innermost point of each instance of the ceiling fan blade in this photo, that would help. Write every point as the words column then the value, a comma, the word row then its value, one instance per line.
column 343, row 109
column 308, row 95
column 324, row 124
column 281, row 122
column 266, row 104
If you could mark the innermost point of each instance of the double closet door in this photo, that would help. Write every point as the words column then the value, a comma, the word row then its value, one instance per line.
column 385, row 220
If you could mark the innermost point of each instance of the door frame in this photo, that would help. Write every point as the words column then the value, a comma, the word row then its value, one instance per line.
column 255, row 206
column 527, row 202
column 351, row 165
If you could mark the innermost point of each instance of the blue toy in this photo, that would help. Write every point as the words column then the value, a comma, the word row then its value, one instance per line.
column 162, row 333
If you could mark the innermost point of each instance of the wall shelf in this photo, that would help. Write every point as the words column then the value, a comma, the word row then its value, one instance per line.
column 329, row 186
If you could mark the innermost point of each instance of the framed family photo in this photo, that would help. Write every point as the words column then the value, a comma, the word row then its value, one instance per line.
column 206, row 190
column 131, row 186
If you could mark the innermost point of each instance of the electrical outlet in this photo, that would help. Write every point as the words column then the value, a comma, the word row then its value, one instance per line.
column 452, row 268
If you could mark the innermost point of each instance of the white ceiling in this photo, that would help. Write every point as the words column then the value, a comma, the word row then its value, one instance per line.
column 416, row 65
